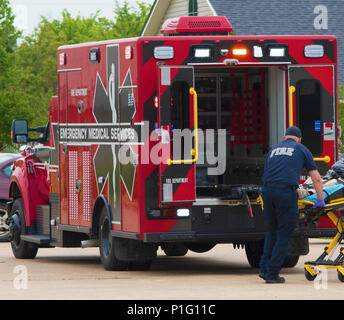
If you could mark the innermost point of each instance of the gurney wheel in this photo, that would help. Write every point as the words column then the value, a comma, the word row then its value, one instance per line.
column 309, row 276
column 340, row 276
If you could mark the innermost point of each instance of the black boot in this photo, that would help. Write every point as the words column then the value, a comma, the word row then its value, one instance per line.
column 276, row 280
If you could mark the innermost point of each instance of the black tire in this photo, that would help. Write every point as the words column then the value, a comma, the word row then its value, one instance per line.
column 340, row 276
column 106, row 247
column 174, row 249
column 290, row 261
column 254, row 251
column 200, row 247
column 4, row 230
column 21, row 249
column 309, row 277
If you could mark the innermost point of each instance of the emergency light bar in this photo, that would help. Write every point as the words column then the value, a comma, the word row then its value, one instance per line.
column 164, row 52
column 94, row 55
column 314, row 51
column 202, row 53
column 62, row 59
column 277, row 52
column 257, row 52
column 239, row 52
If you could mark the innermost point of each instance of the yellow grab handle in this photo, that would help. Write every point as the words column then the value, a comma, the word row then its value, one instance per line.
column 325, row 159
column 291, row 106
column 193, row 152
column 261, row 202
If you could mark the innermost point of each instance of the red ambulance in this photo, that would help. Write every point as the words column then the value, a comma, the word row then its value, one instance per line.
column 115, row 167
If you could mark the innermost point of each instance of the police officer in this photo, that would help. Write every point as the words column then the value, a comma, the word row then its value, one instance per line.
column 283, row 167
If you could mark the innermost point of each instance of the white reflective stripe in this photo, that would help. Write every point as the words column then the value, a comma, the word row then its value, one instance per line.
column 165, row 76
column 101, row 143
column 165, row 135
column 68, row 70
column 167, row 192
column 329, row 131
column 113, row 124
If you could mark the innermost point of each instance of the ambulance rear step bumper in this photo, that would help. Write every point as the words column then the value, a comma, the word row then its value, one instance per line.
column 40, row 239
column 194, row 236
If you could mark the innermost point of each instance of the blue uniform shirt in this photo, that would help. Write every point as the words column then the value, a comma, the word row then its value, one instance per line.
column 285, row 161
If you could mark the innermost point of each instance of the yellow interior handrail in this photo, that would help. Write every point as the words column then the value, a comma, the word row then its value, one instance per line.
column 325, row 159
column 292, row 89
column 194, row 151
column 291, row 105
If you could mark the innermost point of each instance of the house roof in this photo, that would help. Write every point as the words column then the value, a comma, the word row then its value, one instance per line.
column 155, row 15
column 267, row 17
column 276, row 16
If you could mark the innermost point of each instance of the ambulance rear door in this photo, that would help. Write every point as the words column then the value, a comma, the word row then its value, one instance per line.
column 176, row 117
column 312, row 107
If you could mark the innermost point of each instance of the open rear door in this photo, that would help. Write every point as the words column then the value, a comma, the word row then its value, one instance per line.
column 176, row 120
column 312, row 97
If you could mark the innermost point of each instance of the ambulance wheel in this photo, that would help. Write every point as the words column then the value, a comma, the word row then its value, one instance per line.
column 174, row 249
column 290, row 261
column 21, row 249
column 4, row 230
column 309, row 276
column 106, row 247
column 254, row 251
column 340, row 276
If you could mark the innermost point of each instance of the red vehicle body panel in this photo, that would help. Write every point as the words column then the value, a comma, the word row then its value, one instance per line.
column 80, row 169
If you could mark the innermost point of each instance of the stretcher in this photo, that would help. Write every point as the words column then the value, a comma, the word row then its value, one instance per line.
column 334, row 210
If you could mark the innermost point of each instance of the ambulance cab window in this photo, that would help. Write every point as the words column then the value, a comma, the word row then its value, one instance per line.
column 308, row 114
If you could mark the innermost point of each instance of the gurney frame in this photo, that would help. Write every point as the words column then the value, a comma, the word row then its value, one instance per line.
column 334, row 210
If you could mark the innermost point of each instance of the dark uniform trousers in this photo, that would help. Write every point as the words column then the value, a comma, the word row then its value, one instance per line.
column 281, row 216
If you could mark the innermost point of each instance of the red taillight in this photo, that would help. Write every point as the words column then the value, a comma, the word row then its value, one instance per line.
column 169, row 213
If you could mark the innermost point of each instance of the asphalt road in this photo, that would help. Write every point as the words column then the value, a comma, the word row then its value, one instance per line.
column 220, row 274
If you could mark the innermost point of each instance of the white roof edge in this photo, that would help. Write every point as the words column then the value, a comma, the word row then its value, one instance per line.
column 149, row 18
column 211, row 7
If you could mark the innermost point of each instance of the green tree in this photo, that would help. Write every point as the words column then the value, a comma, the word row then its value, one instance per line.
column 37, row 56
column 8, row 35
column 8, row 40
column 129, row 22
column 341, row 116
column 33, row 74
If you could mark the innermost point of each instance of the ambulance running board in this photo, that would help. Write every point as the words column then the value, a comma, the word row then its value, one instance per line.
column 36, row 238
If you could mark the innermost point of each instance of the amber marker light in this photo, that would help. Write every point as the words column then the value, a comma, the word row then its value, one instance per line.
column 239, row 52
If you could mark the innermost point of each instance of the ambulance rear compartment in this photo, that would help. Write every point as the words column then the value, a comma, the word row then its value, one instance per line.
column 249, row 103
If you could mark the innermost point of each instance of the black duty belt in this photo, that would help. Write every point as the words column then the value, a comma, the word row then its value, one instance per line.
column 280, row 185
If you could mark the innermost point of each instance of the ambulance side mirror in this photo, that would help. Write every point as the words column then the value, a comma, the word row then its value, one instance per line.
column 19, row 131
